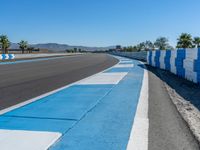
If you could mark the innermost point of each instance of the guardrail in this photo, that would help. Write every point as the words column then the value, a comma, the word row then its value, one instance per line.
column 135, row 55
column 7, row 56
column 182, row 62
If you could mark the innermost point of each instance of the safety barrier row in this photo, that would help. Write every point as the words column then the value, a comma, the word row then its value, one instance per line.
column 182, row 62
column 7, row 56
column 135, row 55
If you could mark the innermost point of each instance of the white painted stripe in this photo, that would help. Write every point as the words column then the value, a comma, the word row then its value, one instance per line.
column 26, row 140
column 123, row 59
column 105, row 78
column 124, row 66
column 139, row 134
column 126, row 61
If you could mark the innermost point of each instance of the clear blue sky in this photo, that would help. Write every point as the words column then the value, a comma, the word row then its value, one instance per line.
column 98, row 22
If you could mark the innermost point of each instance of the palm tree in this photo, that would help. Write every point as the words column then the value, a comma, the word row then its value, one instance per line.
column 196, row 41
column 161, row 43
column 5, row 43
column 30, row 49
column 185, row 41
column 23, row 45
column 149, row 45
column 141, row 46
column 75, row 49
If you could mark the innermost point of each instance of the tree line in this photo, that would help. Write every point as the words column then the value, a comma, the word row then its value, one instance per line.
column 75, row 50
column 185, row 40
column 5, row 44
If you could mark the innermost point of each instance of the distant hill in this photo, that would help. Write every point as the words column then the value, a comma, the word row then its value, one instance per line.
column 62, row 47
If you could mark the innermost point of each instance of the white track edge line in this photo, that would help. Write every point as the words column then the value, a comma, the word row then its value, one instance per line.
column 3, row 111
column 138, row 139
column 15, row 135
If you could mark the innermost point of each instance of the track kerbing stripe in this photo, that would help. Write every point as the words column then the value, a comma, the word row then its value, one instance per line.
column 139, row 133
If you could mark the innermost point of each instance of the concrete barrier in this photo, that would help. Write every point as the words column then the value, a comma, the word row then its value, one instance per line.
column 43, row 55
column 7, row 56
column 182, row 62
column 135, row 55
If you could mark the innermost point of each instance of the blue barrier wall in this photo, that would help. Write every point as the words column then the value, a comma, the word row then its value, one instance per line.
column 167, row 60
column 157, row 59
column 7, row 56
column 182, row 62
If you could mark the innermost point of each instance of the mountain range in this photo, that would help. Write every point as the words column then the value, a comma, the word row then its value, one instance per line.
column 62, row 47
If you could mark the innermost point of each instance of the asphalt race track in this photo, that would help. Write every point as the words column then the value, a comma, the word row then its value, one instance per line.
column 24, row 80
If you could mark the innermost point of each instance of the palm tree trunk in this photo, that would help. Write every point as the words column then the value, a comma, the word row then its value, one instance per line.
column 6, row 51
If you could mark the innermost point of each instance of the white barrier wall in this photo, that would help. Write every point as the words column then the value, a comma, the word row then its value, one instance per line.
column 153, row 58
column 182, row 62
column 162, row 59
column 172, row 61
column 191, row 56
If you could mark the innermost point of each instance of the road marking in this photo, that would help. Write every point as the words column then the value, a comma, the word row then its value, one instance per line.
column 27, row 140
column 124, row 66
column 126, row 60
column 139, row 134
column 105, row 78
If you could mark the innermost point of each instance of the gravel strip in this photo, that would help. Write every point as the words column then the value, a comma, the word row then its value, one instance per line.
column 188, row 111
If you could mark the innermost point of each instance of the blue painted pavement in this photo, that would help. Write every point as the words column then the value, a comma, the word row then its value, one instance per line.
column 89, row 116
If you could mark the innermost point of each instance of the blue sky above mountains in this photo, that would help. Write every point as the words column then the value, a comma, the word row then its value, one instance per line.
column 98, row 22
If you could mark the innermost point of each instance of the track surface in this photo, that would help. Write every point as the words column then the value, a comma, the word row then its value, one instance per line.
column 104, row 104
column 22, row 81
